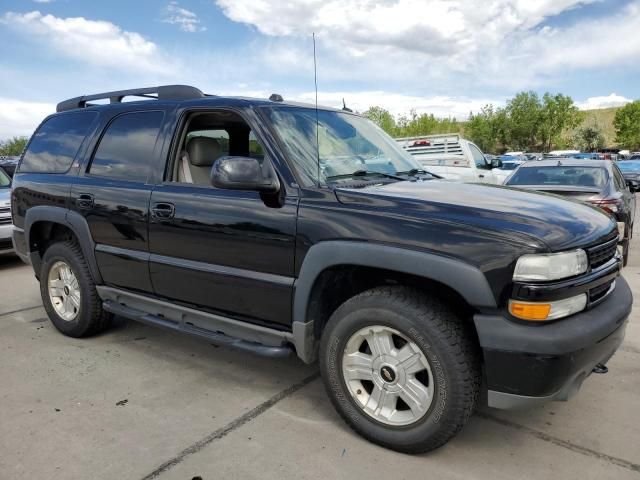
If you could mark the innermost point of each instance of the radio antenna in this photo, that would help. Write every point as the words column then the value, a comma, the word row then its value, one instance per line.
column 315, row 81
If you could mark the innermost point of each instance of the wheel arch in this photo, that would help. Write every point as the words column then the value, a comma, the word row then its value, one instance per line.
column 326, row 261
column 40, row 224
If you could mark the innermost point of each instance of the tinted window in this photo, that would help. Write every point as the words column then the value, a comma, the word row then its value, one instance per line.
column 56, row 143
column 619, row 179
column 126, row 148
column 566, row 176
column 5, row 181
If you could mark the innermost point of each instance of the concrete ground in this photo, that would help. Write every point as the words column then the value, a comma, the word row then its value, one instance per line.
column 140, row 403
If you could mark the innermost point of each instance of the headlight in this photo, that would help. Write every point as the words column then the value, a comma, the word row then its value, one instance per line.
column 550, row 266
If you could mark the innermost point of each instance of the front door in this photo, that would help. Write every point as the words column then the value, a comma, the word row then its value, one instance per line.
column 227, row 251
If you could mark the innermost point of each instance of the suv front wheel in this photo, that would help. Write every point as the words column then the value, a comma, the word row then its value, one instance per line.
column 68, row 292
column 400, row 368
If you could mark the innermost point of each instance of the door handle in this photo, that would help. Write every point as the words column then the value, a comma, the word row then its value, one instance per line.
column 481, row 175
column 163, row 210
column 84, row 200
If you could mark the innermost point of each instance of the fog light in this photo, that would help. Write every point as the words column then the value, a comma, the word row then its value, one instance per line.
column 540, row 312
column 621, row 230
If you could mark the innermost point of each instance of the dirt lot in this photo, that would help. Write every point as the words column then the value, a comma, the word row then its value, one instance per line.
column 139, row 403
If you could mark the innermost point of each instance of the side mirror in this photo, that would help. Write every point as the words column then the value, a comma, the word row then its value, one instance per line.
column 633, row 186
column 496, row 163
column 244, row 173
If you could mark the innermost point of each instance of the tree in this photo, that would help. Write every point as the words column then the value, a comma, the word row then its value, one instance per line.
column 382, row 118
column 557, row 116
column 524, row 115
column 627, row 125
column 487, row 128
column 13, row 147
column 589, row 138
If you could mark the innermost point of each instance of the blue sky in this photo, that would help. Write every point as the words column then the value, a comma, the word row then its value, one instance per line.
column 441, row 56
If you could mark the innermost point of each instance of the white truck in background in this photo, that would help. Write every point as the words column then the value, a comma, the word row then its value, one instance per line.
column 451, row 157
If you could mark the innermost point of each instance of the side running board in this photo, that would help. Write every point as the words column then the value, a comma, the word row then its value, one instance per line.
column 217, row 329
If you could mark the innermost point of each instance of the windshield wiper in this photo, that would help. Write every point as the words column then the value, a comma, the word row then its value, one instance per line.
column 418, row 171
column 366, row 173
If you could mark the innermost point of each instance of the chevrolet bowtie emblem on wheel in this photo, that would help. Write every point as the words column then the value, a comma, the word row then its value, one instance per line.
column 388, row 374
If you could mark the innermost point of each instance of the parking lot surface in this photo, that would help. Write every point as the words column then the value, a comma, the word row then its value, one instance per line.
column 141, row 403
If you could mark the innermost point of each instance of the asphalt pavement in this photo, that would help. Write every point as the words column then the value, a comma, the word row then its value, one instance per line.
column 139, row 403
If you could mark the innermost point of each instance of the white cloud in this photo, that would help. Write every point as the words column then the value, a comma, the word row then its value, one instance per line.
column 43, row 1
column 399, row 104
column 186, row 20
column 21, row 118
column 95, row 42
column 499, row 43
column 603, row 101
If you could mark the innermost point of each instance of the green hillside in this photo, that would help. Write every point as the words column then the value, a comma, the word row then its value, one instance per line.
column 603, row 119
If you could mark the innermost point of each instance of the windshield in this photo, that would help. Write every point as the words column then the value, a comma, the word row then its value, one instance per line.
column 557, row 175
column 347, row 144
column 5, row 181
column 629, row 166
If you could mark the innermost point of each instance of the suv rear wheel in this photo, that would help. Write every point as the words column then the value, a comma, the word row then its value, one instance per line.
column 68, row 292
column 400, row 368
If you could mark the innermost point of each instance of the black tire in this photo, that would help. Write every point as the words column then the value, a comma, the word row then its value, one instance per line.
column 444, row 339
column 91, row 318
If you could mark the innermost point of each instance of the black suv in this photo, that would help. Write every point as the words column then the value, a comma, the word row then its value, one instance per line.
column 275, row 227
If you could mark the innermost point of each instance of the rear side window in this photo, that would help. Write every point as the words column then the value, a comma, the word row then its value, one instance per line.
column 56, row 143
column 125, row 151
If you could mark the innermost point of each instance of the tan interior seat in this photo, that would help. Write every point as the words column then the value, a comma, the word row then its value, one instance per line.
column 195, row 162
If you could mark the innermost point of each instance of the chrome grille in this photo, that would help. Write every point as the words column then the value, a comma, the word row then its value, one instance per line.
column 601, row 254
column 598, row 293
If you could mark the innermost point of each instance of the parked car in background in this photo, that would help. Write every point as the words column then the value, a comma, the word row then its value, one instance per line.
column 598, row 182
column 561, row 153
column 586, row 156
column 6, row 228
column 9, row 164
column 635, row 156
column 451, row 157
column 631, row 172
column 509, row 164
column 534, row 155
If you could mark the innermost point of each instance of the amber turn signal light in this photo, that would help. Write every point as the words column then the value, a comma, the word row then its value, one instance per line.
column 530, row 311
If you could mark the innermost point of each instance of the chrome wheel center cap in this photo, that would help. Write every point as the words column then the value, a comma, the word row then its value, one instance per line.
column 388, row 374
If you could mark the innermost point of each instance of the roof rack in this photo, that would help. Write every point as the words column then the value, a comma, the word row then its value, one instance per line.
column 163, row 92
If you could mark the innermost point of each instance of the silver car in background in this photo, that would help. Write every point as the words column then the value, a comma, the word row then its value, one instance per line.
column 6, row 226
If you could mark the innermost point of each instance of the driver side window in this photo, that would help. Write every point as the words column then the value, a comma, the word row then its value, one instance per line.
column 206, row 137
column 478, row 157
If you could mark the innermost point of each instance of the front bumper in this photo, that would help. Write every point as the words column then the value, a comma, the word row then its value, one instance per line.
column 6, row 230
column 527, row 365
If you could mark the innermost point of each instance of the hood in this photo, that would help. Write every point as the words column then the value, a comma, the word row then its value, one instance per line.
column 530, row 217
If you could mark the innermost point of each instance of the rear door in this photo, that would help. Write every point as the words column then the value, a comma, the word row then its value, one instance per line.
column 113, row 195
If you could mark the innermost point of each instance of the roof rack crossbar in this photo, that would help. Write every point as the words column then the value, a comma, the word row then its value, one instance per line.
column 163, row 92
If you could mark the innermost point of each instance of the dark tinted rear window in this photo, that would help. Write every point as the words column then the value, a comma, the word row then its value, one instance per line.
column 56, row 143
column 126, row 149
column 562, row 175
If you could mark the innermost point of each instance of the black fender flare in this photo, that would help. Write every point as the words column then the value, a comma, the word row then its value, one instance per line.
column 74, row 222
column 462, row 277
